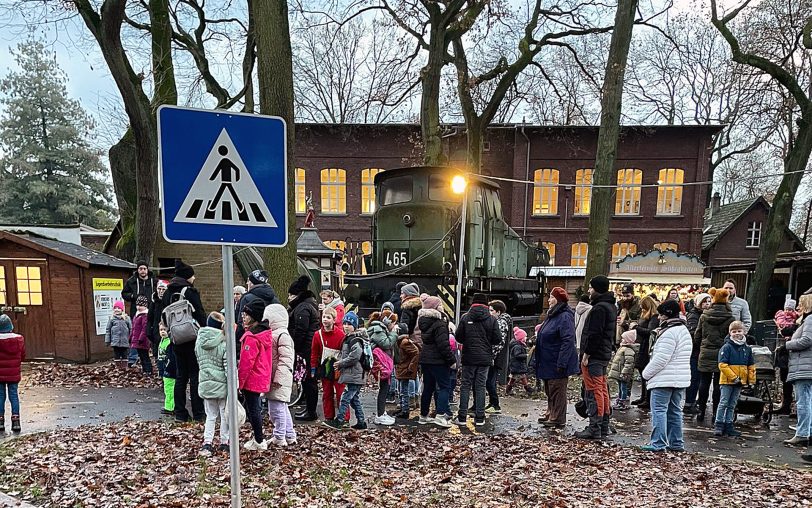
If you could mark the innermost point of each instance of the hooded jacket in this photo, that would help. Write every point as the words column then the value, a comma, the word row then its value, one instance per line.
column 736, row 361
column 210, row 350
column 710, row 335
column 800, row 352
column 256, row 360
column 408, row 358
column 154, row 316
column 12, row 354
column 282, row 357
column 434, row 332
column 670, row 363
column 118, row 331
column 643, row 330
column 304, row 321
column 518, row 357
column 135, row 287
column 381, row 337
column 556, row 357
column 599, row 330
column 408, row 314
column 628, row 312
column 176, row 285
column 349, row 364
column 692, row 320
column 262, row 292
column 478, row 332
column 138, row 337
column 581, row 312
column 622, row 367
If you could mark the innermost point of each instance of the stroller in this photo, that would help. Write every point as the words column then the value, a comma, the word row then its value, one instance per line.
column 757, row 400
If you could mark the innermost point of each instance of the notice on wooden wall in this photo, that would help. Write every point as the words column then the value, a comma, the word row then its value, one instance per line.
column 106, row 292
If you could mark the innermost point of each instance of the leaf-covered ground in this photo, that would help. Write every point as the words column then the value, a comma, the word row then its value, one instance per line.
column 96, row 375
column 144, row 464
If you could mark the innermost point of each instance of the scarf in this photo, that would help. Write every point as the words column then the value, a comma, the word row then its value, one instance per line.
column 739, row 342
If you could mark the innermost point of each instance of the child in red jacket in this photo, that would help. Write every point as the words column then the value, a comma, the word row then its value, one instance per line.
column 12, row 354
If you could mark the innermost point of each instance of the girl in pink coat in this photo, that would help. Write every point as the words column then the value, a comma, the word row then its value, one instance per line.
column 256, row 360
column 138, row 339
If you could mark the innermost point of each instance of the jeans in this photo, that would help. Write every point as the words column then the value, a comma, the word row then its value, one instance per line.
column 282, row 420
column 146, row 364
column 705, row 379
column 452, row 375
column 666, row 418
column 623, row 390
column 729, row 395
column 383, row 391
column 803, row 402
column 474, row 377
column 351, row 398
column 435, row 379
column 403, row 392
column 253, row 410
column 693, row 388
column 414, row 387
column 188, row 372
column 490, row 386
column 13, row 398
column 215, row 408
column 132, row 357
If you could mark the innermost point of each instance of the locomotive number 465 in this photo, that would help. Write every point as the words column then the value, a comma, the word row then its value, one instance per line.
column 396, row 258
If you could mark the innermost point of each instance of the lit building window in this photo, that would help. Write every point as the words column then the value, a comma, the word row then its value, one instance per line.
column 578, row 255
column 753, row 234
column 629, row 183
column 29, row 285
column 550, row 246
column 368, row 190
column 664, row 246
column 333, row 191
column 583, row 191
column 669, row 191
column 2, row 285
column 545, row 192
column 299, row 191
column 621, row 250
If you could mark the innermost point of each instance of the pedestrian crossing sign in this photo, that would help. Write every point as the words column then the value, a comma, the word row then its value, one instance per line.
column 223, row 177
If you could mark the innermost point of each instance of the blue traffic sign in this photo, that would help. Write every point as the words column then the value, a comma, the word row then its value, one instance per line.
column 223, row 177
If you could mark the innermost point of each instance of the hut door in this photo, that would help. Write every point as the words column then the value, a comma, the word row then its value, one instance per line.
column 24, row 298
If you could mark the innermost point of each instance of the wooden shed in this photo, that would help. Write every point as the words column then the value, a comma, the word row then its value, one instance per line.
column 59, row 295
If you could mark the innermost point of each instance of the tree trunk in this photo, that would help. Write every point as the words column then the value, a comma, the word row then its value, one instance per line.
column 122, row 169
column 611, row 105
column 166, row 91
column 430, row 98
column 275, row 72
column 779, row 217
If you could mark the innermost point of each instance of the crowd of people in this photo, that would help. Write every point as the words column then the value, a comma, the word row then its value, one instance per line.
column 412, row 353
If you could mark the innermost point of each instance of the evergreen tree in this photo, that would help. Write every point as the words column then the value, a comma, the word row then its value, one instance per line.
column 49, row 174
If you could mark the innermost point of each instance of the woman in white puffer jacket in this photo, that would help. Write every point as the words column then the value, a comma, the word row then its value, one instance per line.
column 667, row 375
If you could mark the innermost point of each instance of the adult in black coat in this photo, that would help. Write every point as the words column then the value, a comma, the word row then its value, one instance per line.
column 187, row 366
column 699, row 304
column 154, row 316
column 141, row 283
column 436, row 359
column 304, row 323
column 258, row 288
column 478, row 332
column 498, row 310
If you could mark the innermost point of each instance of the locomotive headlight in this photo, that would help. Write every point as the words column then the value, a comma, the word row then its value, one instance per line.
column 458, row 184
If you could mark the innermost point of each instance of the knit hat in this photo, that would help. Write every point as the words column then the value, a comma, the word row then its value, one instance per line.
column 5, row 324
column 480, row 299
column 183, row 270
column 627, row 288
column 519, row 334
column 162, row 284
column 300, row 285
column 670, row 308
column 255, row 309
column 142, row 301
column 410, row 290
column 351, row 318
column 433, row 302
column 701, row 297
column 215, row 320
column 388, row 305
column 118, row 305
column 790, row 304
column 140, row 263
column 239, row 290
column 719, row 295
column 600, row 283
column 560, row 294
column 628, row 337
column 258, row 277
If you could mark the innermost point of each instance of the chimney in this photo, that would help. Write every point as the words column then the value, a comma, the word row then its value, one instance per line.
column 716, row 203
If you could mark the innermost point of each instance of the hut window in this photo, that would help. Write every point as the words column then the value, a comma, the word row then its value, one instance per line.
column 2, row 285
column 29, row 285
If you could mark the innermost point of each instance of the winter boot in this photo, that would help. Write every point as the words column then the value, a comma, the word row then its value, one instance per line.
column 2, row 424
column 15, row 423
column 700, row 413
column 606, row 429
column 719, row 429
column 593, row 430
column 730, row 431
column 690, row 409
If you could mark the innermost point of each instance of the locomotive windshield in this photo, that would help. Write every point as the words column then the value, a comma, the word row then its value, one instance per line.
column 396, row 190
column 440, row 188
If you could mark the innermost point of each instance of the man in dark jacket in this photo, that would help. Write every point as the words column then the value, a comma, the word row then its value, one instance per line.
column 258, row 288
column 142, row 283
column 304, row 323
column 596, row 352
column 498, row 309
column 186, row 361
column 478, row 332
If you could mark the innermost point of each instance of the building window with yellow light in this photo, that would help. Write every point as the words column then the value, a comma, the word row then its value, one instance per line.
column 664, row 246
column 621, row 250
column 368, row 190
column 550, row 246
column 545, row 192
column 629, row 186
column 669, row 191
column 583, row 191
column 300, row 191
column 333, row 191
column 578, row 254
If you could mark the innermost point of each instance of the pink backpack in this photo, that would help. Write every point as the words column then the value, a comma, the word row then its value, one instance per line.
column 383, row 365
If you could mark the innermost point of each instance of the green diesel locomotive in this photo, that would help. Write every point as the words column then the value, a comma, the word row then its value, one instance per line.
column 416, row 238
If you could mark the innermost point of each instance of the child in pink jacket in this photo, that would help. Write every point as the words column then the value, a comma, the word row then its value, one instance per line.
column 138, row 339
column 256, row 360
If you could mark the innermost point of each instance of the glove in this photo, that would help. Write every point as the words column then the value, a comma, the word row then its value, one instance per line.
column 737, row 382
column 312, row 371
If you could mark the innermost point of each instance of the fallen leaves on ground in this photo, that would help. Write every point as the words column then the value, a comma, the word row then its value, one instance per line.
column 145, row 464
column 96, row 375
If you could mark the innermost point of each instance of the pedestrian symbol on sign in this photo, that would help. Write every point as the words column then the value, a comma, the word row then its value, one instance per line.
column 224, row 192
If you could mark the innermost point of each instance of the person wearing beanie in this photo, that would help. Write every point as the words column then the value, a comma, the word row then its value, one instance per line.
column 498, row 309
column 304, row 321
column 667, row 375
column 410, row 305
column 478, row 332
column 394, row 298
column 622, row 368
column 556, row 357
column 786, row 320
column 141, row 283
column 138, row 337
column 117, row 335
column 787, row 323
column 255, row 367
column 388, row 305
column 597, row 343
column 283, row 361
column 154, row 316
column 518, row 361
column 350, row 322
column 382, row 331
column 181, row 286
column 210, row 351
column 629, row 311
column 330, row 298
column 709, row 338
column 436, row 359
column 702, row 302
column 258, row 289
column 12, row 354
column 351, row 374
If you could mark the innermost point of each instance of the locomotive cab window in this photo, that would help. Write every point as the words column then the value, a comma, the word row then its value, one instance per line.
column 440, row 189
column 396, row 190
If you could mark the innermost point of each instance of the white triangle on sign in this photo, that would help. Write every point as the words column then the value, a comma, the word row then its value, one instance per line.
column 224, row 192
